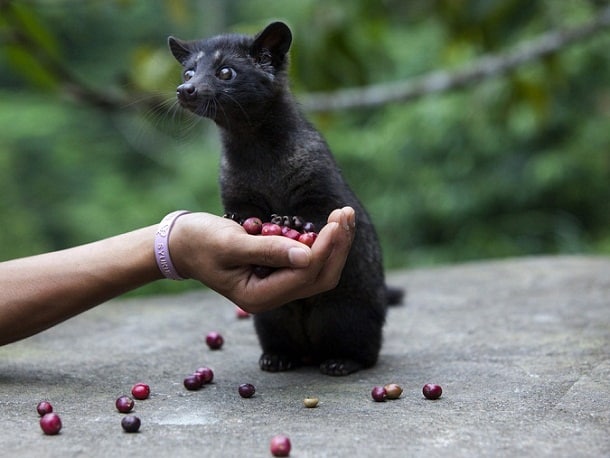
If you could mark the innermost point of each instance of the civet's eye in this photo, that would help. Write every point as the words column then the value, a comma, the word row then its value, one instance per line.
column 189, row 74
column 226, row 74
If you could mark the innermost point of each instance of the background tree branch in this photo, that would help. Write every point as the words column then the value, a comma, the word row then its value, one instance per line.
column 486, row 67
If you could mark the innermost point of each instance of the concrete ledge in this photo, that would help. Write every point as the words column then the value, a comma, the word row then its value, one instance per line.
column 520, row 346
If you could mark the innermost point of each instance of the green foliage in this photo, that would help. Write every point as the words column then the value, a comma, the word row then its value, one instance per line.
column 515, row 165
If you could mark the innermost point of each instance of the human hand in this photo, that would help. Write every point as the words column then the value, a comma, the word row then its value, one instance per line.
column 219, row 253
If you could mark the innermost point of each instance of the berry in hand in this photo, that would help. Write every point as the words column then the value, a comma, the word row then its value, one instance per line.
column 140, row 391
column 214, row 340
column 44, row 407
column 253, row 225
column 50, row 423
column 271, row 229
column 308, row 238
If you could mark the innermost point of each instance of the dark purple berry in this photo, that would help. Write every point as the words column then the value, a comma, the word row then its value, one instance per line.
column 378, row 393
column 193, row 382
column 214, row 340
column 44, row 407
column 253, row 226
column 130, row 423
column 246, row 390
column 280, row 445
column 50, row 423
column 206, row 374
column 140, row 391
column 432, row 391
column 124, row 404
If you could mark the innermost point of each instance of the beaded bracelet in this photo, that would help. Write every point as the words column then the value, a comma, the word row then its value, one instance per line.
column 164, row 261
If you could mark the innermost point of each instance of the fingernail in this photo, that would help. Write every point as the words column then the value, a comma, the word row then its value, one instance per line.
column 298, row 257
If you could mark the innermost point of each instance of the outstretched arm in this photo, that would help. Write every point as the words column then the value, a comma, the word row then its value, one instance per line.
column 41, row 291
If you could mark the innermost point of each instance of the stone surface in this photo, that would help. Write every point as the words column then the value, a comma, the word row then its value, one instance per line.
column 521, row 348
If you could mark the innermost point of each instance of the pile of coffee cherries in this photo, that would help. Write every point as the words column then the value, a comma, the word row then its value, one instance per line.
column 293, row 227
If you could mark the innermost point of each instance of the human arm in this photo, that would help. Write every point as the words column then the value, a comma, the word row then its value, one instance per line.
column 41, row 291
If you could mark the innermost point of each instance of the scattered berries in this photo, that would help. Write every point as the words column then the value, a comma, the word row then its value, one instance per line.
column 310, row 402
column 432, row 391
column 131, row 423
column 140, row 391
column 44, row 407
column 193, row 382
column 378, row 393
column 280, row 445
column 246, row 390
column 206, row 374
column 50, row 423
column 393, row 391
column 214, row 340
column 124, row 404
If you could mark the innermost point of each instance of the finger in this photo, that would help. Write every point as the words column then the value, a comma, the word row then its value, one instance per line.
column 273, row 251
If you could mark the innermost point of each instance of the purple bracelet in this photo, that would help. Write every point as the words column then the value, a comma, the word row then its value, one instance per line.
column 164, row 261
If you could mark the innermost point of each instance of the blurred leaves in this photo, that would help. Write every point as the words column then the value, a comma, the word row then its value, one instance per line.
column 93, row 144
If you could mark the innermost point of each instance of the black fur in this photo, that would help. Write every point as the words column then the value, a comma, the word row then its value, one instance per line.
column 275, row 161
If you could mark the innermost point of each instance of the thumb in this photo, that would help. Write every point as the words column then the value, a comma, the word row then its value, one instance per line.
column 275, row 251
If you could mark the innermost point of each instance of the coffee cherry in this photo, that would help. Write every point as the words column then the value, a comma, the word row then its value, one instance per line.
column 205, row 374
column 393, row 391
column 308, row 238
column 253, row 225
column 246, row 390
column 271, row 229
column 432, row 391
column 140, row 391
column 310, row 402
column 291, row 233
column 130, row 423
column 50, row 423
column 214, row 340
column 192, row 382
column 378, row 393
column 280, row 445
column 124, row 404
column 44, row 407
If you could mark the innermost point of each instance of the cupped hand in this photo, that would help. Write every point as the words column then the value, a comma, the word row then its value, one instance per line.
column 219, row 253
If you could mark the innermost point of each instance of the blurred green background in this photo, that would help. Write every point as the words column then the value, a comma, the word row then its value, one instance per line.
column 92, row 142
